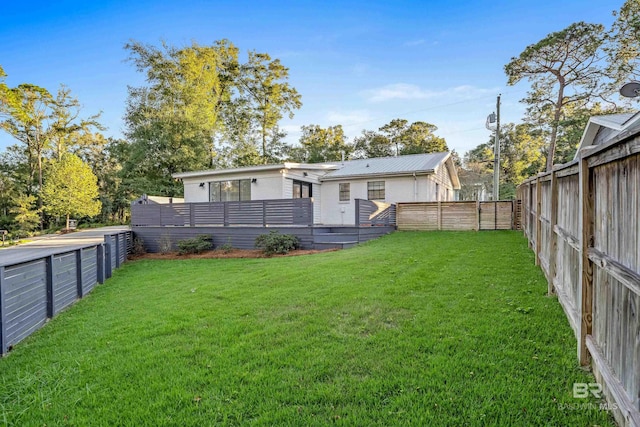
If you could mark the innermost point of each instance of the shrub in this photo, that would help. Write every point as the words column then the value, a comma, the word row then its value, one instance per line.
column 164, row 244
column 195, row 245
column 227, row 247
column 276, row 243
column 138, row 247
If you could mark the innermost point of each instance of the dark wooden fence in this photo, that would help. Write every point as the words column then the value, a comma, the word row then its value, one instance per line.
column 583, row 222
column 261, row 213
column 370, row 212
column 36, row 290
column 460, row 215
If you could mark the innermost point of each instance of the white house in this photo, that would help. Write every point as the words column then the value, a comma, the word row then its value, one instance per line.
column 333, row 186
column 602, row 129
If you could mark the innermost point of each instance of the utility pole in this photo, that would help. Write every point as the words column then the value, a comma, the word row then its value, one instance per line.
column 496, row 157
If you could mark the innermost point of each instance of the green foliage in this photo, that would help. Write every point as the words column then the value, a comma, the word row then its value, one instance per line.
column 226, row 247
column 138, row 246
column 398, row 135
column 624, row 48
column 71, row 189
column 322, row 144
column 395, row 332
column 195, row 245
column 569, row 71
column 27, row 216
column 276, row 243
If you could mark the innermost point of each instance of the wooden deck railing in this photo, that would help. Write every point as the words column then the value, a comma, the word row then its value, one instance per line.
column 253, row 212
column 369, row 212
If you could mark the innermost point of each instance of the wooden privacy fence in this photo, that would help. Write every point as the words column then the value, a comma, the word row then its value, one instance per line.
column 246, row 213
column 582, row 221
column 36, row 290
column 461, row 215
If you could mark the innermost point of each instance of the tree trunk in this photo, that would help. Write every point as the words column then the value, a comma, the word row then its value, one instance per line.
column 554, row 129
column 264, row 137
column 67, row 228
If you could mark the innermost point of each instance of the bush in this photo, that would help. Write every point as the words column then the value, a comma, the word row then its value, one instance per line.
column 227, row 247
column 164, row 244
column 195, row 245
column 276, row 243
column 138, row 247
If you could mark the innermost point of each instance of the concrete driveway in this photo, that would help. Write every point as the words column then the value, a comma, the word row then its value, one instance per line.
column 56, row 244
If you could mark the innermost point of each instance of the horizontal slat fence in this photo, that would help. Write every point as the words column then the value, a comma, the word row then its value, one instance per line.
column 33, row 291
column 370, row 212
column 583, row 222
column 246, row 213
column 460, row 215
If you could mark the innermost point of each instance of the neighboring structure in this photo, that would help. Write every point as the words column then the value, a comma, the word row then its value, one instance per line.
column 333, row 186
column 157, row 200
column 603, row 129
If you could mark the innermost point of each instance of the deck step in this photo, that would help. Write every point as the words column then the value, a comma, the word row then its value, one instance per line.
column 335, row 237
column 334, row 245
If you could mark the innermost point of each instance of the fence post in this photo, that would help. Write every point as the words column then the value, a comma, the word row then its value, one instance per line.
column 107, row 257
column 439, row 215
column 357, row 212
column 49, row 285
column 553, row 220
column 192, row 216
column 117, row 239
column 586, row 265
column 538, row 221
column 100, row 263
column 79, row 287
column 3, row 315
column 225, row 214
column 477, row 215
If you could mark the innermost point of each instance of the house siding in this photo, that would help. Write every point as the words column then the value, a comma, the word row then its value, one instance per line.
column 268, row 185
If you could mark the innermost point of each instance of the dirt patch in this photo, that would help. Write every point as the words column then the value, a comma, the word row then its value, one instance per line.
column 235, row 253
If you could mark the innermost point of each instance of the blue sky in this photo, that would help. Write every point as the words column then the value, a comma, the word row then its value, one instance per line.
column 355, row 63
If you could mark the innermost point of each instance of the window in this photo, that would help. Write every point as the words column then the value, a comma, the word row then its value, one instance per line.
column 230, row 191
column 345, row 192
column 375, row 190
column 302, row 190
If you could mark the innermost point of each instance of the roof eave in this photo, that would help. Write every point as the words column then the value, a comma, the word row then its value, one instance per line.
column 370, row 175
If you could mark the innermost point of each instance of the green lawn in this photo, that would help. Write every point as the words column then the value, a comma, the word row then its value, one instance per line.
column 437, row 328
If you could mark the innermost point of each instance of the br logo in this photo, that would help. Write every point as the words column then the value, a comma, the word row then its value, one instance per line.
column 583, row 390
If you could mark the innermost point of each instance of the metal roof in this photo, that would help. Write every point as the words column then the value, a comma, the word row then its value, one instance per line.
column 613, row 121
column 418, row 163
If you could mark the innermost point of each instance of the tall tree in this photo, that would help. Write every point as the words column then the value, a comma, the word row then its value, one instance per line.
column 565, row 68
column 624, row 44
column 26, row 116
column 27, row 217
column 394, row 131
column 171, row 121
column 419, row 138
column 372, row 144
column 262, row 81
column 323, row 144
column 68, row 129
column 71, row 189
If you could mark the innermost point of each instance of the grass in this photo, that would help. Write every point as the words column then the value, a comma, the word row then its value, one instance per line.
column 436, row 328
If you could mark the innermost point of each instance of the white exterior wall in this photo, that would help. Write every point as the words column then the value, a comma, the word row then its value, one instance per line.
column 397, row 189
column 268, row 185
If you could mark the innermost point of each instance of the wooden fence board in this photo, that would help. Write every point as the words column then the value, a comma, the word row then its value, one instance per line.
column 597, row 256
column 460, row 215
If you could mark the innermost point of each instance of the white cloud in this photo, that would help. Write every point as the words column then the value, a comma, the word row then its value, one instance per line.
column 415, row 42
column 404, row 91
column 349, row 118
